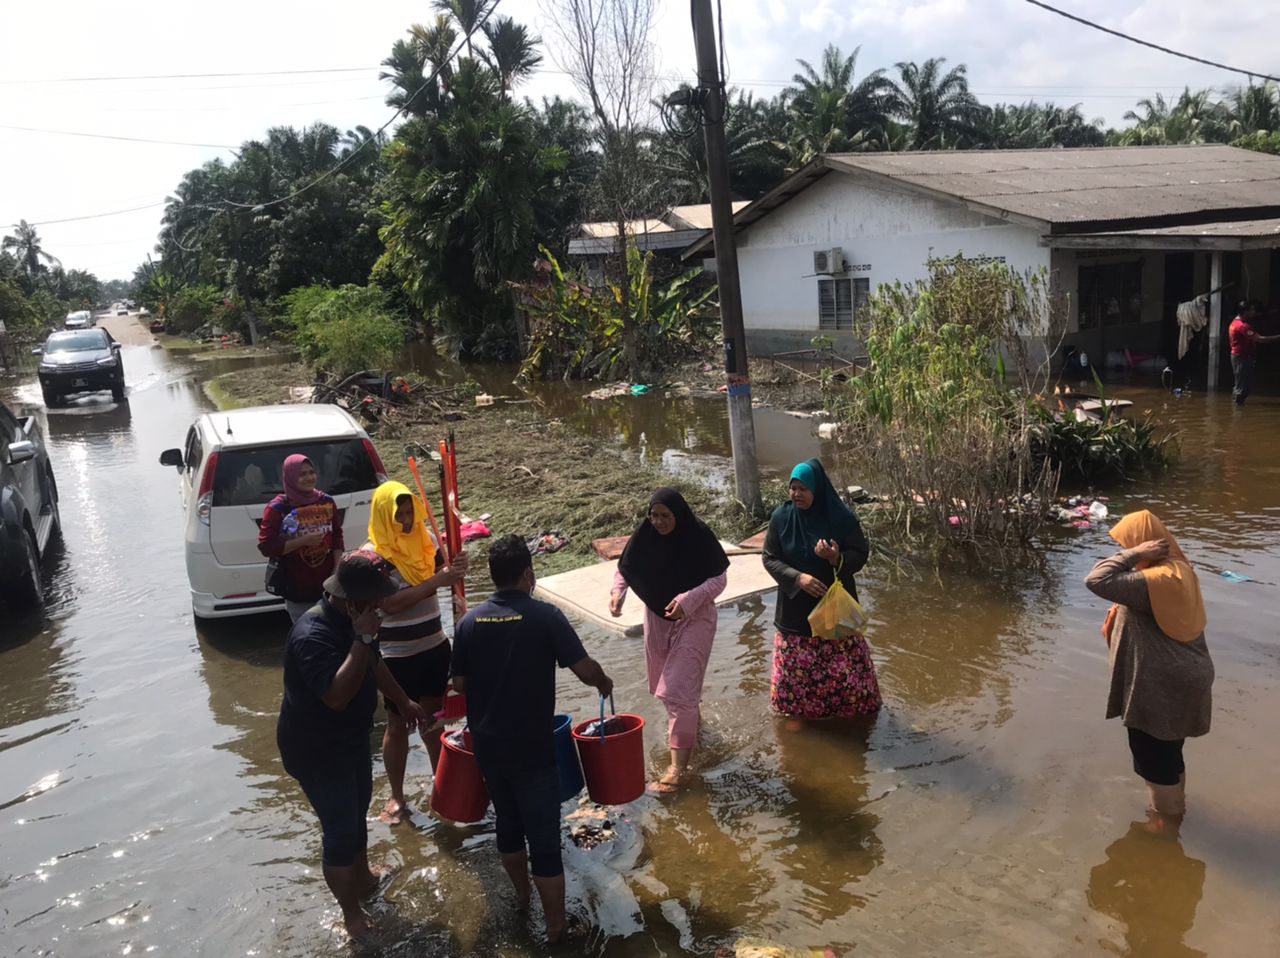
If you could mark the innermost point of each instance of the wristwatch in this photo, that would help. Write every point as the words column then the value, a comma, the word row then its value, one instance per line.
column 368, row 639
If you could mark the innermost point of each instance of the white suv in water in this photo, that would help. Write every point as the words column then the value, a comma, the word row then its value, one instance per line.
column 230, row 469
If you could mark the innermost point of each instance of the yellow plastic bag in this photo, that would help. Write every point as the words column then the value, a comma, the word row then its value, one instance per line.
column 837, row 614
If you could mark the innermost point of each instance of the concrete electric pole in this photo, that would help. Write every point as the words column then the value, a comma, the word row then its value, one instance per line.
column 742, row 430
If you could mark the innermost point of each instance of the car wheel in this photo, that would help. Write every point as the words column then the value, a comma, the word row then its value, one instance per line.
column 51, row 398
column 117, row 392
column 25, row 590
column 53, row 505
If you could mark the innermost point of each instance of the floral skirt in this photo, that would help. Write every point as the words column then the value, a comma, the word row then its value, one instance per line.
column 823, row 678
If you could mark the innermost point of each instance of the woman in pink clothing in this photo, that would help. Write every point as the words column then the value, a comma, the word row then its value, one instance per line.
column 676, row 565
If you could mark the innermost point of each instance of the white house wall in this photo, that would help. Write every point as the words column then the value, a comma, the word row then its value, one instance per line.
column 887, row 235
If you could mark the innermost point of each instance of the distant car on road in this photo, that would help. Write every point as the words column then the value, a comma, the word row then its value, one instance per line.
column 80, row 360
column 122, row 311
column 29, row 520
column 80, row 319
column 229, row 469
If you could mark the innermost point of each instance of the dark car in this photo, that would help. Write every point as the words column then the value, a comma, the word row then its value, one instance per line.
column 29, row 521
column 80, row 360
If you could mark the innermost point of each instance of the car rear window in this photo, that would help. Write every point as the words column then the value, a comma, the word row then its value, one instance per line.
column 251, row 477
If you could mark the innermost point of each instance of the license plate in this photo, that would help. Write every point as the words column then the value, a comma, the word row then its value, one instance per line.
column 81, row 383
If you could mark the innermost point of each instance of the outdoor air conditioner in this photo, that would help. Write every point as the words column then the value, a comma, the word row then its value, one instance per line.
column 828, row 261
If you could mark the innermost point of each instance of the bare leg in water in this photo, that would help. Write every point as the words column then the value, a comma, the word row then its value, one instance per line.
column 349, row 884
column 550, row 892
column 1169, row 800
column 395, row 756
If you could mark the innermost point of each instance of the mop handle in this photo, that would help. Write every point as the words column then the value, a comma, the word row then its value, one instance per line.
column 422, row 492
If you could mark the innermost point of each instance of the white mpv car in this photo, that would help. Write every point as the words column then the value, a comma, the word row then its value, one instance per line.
column 230, row 469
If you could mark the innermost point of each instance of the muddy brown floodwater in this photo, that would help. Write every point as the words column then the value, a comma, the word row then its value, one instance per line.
column 989, row 810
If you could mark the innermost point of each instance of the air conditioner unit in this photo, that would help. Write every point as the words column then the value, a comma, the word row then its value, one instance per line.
column 828, row 261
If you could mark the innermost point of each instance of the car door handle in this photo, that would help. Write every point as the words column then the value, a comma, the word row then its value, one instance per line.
column 364, row 502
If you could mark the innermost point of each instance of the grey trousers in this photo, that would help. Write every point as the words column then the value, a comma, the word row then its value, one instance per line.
column 1242, row 370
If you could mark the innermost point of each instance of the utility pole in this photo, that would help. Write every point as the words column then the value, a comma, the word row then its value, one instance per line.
column 742, row 430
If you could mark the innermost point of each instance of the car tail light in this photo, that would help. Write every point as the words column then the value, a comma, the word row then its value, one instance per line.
column 379, row 469
column 204, row 498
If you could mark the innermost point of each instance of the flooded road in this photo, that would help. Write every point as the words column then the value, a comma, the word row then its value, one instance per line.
column 989, row 810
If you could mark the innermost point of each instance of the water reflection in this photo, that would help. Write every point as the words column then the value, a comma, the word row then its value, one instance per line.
column 1150, row 885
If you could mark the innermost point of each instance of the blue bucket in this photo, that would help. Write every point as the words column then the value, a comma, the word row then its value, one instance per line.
column 567, row 758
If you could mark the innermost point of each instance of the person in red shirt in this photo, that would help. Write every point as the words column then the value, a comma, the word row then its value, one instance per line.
column 1244, row 344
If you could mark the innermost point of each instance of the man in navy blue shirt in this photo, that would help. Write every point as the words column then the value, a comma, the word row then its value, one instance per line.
column 505, row 654
column 332, row 676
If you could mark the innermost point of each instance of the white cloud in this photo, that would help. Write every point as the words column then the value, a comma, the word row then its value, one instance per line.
column 1014, row 52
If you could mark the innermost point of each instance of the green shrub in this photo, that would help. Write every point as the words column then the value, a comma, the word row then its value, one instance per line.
column 193, row 306
column 1096, row 452
column 578, row 329
column 344, row 330
column 16, row 311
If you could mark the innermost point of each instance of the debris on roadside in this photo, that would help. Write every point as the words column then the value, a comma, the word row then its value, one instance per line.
column 590, row 825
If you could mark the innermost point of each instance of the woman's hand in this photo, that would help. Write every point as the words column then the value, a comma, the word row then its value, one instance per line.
column 1152, row 551
column 615, row 603
column 827, row 549
column 815, row 587
column 308, row 541
column 674, row 611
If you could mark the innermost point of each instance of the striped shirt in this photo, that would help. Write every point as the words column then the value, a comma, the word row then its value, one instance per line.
column 415, row 630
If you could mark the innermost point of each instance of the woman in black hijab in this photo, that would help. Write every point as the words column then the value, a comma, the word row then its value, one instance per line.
column 675, row 564
column 814, row 538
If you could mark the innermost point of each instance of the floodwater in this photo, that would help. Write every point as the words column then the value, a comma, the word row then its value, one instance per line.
column 989, row 810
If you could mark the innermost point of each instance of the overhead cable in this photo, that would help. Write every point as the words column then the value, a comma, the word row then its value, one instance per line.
column 127, row 139
column 332, row 171
column 1251, row 74
column 95, row 216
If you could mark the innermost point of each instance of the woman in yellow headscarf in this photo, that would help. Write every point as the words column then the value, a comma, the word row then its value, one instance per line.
column 411, row 636
column 1161, row 673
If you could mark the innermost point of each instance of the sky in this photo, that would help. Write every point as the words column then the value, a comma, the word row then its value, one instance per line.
column 1013, row 51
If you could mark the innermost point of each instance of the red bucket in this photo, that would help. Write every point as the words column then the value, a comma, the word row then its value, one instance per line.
column 613, row 764
column 458, row 793
column 455, row 707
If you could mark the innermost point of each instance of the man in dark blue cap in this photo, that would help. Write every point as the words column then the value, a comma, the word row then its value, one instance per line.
column 332, row 676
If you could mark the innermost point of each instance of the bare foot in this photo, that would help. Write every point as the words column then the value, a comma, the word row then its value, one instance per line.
column 357, row 925
column 669, row 783
column 392, row 812
column 574, row 929
column 379, row 878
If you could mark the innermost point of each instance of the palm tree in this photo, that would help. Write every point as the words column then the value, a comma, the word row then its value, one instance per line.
column 937, row 109
column 756, row 160
column 1192, row 118
column 25, row 244
column 468, row 14
column 1013, row 126
column 1255, row 108
column 828, row 112
column 512, row 53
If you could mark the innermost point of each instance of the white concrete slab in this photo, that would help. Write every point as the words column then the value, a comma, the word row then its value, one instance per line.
column 585, row 592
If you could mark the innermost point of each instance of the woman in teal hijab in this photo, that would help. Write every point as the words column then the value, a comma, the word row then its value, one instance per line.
column 813, row 538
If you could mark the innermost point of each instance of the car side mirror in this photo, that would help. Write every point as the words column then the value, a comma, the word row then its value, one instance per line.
column 21, row 451
column 171, row 457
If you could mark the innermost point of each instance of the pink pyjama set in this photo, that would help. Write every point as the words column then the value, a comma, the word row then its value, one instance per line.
column 676, row 655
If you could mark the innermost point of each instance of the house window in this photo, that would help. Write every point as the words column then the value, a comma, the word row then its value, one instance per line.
column 1109, row 294
column 839, row 300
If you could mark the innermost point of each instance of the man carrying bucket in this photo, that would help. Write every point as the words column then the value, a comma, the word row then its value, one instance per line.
column 505, row 655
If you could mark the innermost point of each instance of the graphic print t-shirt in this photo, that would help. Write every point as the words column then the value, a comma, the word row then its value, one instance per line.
column 304, row 569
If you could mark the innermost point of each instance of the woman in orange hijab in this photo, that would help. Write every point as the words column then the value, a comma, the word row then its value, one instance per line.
column 1161, row 673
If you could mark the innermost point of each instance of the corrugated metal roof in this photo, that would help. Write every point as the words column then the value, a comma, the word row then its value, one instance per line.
column 634, row 228
column 696, row 217
column 1229, row 235
column 1086, row 185
column 1063, row 190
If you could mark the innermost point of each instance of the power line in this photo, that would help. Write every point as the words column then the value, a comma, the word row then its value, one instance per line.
column 95, row 216
column 188, row 76
column 109, row 136
column 1154, row 46
column 377, row 136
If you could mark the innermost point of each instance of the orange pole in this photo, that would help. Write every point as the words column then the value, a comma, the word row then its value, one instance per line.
column 422, row 492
